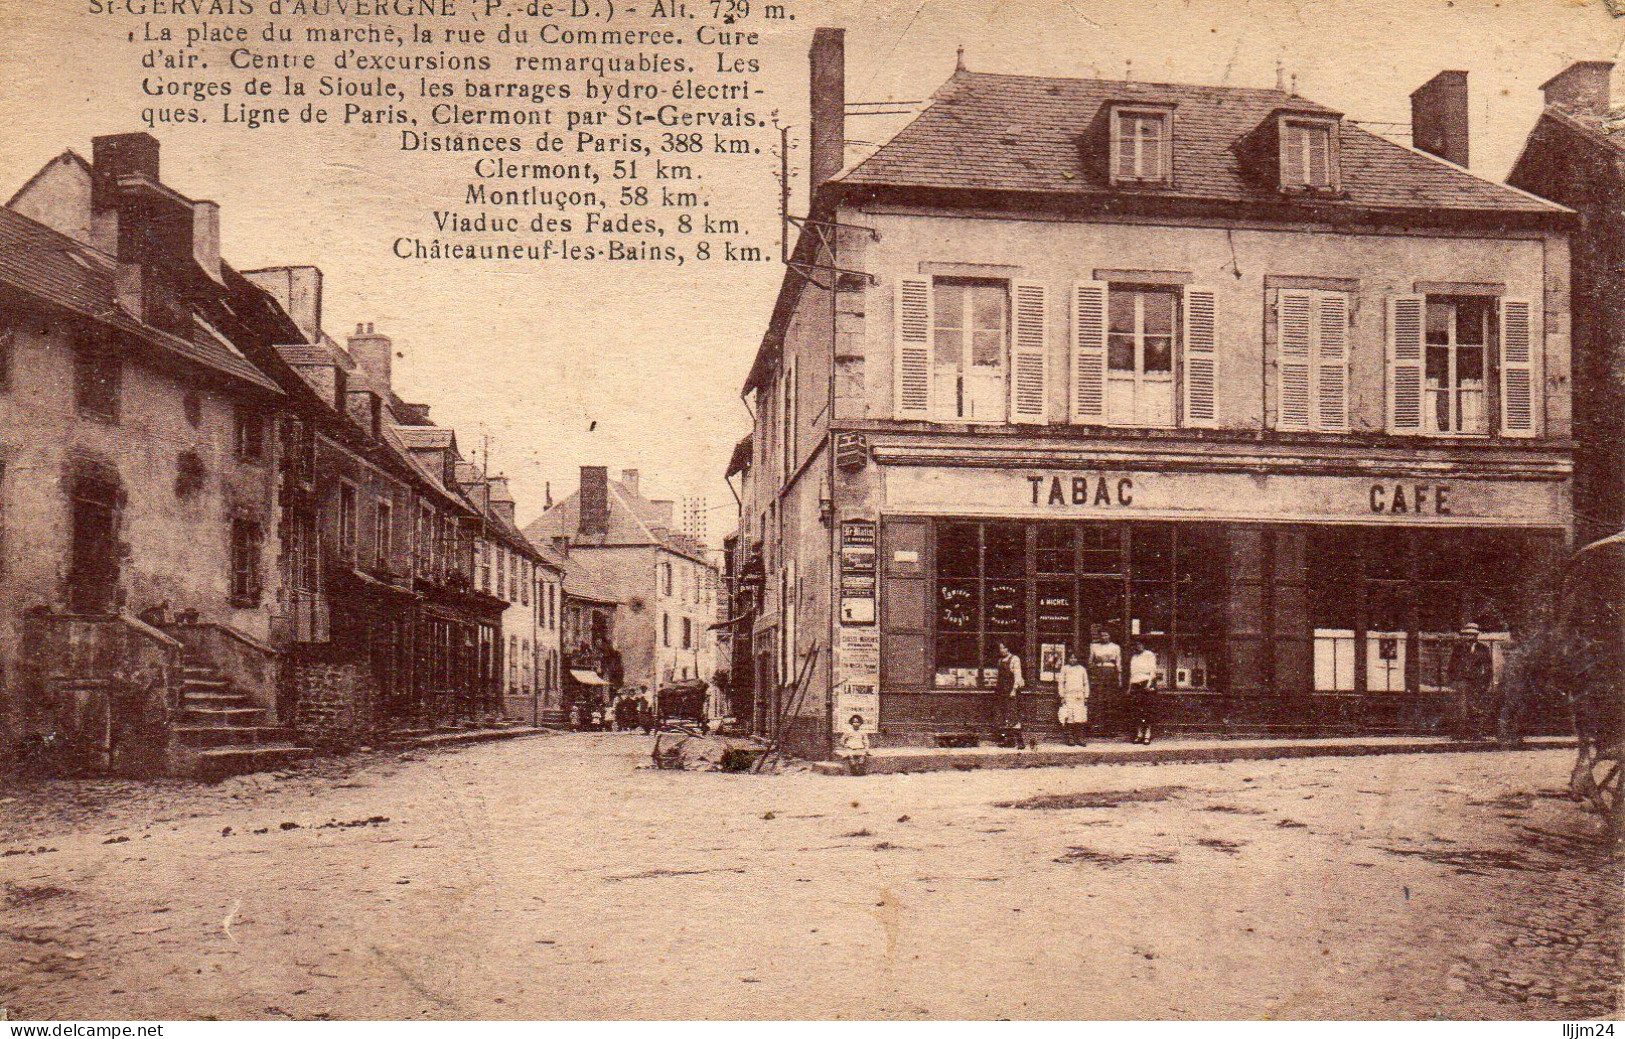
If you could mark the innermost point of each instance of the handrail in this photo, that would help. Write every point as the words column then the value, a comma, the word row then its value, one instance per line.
column 230, row 632
column 141, row 627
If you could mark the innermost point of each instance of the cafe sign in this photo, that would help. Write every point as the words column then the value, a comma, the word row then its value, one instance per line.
column 1259, row 497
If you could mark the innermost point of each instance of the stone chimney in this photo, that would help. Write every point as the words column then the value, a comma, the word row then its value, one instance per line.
column 375, row 354
column 206, row 239
column 1582, row 87
column 827, row 64
column 1439, row 117
column 594, row 501
column 117, row 156
column 298, row 291
column 629, row 480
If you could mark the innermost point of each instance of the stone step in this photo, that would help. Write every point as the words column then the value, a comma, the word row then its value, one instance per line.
column 222, row 762
column 229, row 735
column 222, row 715
column 203, row 699
column 205, row 683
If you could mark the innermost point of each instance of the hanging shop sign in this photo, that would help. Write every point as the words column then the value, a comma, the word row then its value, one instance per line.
column 961, row 491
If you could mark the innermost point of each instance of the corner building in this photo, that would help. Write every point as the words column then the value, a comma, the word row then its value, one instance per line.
column 1212, row 367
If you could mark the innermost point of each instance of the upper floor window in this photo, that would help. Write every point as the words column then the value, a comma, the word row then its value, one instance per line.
column 1308, row 154
column 250, row 434
column 1142, row 145
column 1459, row 333
column 97, row 377
column 347, row 519
column 970, row 329
column 245, row 562
column 1141, row 340
column 1312, row 360
column 384, row 532
column 1459, row 363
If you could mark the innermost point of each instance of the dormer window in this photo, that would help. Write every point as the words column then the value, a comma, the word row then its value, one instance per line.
column 1142, row 145
column 1308, row 154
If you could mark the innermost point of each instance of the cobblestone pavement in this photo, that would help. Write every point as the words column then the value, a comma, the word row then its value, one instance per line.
column 556, row 877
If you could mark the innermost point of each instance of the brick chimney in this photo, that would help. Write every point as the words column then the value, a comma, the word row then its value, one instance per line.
column 115, row 157
column 594, row 501
column 827, row 63
column 206, row 239
column 1439, row 117
column 1582, row 87
column 375, row 354
column 630, row 480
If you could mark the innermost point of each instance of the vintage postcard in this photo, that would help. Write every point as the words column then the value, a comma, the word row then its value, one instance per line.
column 674, row 510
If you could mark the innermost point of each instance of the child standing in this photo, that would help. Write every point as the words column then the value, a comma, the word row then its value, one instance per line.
column 854, row 748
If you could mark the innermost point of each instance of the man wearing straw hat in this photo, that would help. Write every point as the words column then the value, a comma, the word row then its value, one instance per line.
column 1472, row 674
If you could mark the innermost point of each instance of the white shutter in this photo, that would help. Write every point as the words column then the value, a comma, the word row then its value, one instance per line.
column 1029, row 353
column 1517, row 368
column 1201, row 357
column 1405, row 319
column 1332, row 363
column 1294, row 322
column 911, row 376
column 1088, row 391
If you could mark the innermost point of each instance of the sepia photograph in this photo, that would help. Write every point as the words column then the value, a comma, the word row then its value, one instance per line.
column 724, row 511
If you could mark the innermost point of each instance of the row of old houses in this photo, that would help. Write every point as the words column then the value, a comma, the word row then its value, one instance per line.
column 1214, row 370
column 225, row 538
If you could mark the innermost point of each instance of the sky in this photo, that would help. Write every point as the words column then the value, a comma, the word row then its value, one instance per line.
column 640, row 368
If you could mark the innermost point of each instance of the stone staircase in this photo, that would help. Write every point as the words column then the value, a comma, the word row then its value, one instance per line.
column 220, row 732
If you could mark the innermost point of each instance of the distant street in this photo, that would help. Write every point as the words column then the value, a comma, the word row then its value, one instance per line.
column 556, row 877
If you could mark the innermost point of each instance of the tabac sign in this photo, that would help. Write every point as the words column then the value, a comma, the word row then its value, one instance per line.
column 1266, row 497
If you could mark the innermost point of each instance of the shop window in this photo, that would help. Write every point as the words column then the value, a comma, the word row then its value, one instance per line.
column 1459, row 334
column 1334, row 660
column 1142, row 338
column 969, row 341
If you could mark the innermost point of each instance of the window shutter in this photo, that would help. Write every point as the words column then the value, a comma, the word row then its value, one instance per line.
column 1517, row 369
column 912, row 377
column 1088, row 403
column 1332, row 363
column 1029, row 353
column 1201, row 357
column 1294, row 317
column 1405, row 315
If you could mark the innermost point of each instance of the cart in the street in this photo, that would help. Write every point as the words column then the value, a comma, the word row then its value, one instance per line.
column 1591, row 665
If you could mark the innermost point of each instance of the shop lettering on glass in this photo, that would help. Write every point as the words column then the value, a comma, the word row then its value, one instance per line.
column 1410, row 499
column 1092, row 490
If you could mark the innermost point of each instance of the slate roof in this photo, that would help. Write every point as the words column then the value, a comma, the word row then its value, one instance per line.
column 1608, row 130
column 1023, row 133
column 47, row 265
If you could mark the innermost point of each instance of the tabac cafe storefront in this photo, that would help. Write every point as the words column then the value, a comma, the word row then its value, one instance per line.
column 1290, row 603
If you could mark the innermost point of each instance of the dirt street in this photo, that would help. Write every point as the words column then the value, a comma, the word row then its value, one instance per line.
column 557, row 877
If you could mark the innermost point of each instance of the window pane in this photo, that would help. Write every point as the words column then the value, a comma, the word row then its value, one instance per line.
column 1438, row 326
column 1055, row 550
column 1159, row 313
column 987, row 307
column 1470, row 365
column 958, row 552
column 1319, row 144
column 1152, row 550
column 949, row 346
column 1152, row 603
column 1387, row 555
column 1057, row 607
column 959, row 605
column 1120, row 353
column 1159, row 354
column 987, row 349
column 1120, row 311
column 1438, row 362
column 1007, row 607
column 949, row 302
column 1006, row 550
column 1472, row 320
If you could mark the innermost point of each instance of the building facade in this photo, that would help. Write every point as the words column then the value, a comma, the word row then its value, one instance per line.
column 1212, row 368
column 1573, row 157
column 660, row 578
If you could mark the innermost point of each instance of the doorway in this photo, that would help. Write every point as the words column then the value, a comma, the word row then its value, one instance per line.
column 93, row 573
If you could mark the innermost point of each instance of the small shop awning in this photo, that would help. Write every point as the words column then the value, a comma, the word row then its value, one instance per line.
column 587, row 677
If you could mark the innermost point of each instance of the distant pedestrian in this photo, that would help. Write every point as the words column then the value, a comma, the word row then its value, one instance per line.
column 1472, row 679
column 1074, row 689
column 1142, row 691
column 1008, row 687
column 854, row 748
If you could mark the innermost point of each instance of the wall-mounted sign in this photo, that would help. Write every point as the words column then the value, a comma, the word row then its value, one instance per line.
column 857, row 679
column 851, row 452
column 1262, row 497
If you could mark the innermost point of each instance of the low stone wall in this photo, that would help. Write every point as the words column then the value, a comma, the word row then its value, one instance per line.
column 335, row 705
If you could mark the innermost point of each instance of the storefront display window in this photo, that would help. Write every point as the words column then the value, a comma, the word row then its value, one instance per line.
column 1043, row 588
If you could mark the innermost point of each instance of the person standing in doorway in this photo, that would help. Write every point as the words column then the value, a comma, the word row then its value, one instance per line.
column 1472, row 676
column 1074, row 689
column 1105, row 678
column 1142, row 691
column 1008, row 688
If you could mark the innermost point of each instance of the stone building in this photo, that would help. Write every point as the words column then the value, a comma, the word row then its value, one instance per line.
column 138, row 475
column 637, row 558
column 1214, row 368
column 1575, row 155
